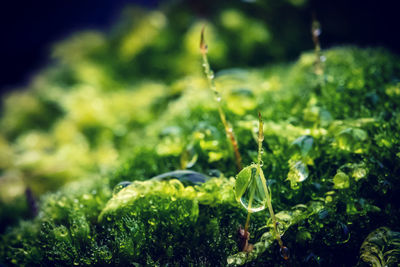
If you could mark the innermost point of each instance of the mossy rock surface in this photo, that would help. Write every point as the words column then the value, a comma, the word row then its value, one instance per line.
column 331, row 158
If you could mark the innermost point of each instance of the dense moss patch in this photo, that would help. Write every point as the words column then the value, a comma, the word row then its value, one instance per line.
column 331, row 158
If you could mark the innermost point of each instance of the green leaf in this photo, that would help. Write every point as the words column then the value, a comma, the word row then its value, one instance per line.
column 242, row 181
column 341, row 180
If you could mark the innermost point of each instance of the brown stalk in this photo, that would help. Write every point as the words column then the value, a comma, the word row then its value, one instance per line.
column 210, row 77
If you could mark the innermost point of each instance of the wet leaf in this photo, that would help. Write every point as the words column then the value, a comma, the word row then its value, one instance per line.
column 341, row 180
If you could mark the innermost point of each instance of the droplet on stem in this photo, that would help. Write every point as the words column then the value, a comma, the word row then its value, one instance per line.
column 285, row 253
column 255, row 188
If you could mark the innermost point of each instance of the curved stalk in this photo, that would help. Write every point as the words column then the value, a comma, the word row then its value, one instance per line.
column 210, row 77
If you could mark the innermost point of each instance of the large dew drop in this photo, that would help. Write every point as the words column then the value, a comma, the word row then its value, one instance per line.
column 255, row 190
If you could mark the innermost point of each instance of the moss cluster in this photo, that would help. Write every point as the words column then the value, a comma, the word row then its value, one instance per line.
column 84, row 114
column 342, row 129
column 114, row 111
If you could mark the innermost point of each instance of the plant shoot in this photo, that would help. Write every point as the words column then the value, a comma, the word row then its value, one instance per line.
column 210, row 77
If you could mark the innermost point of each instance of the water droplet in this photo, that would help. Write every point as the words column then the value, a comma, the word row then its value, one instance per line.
column 359, row 173
column 255, row 189
column 285, row 253
column 298, row 173
column 341, row 180
column 317, row 32
column 261, row 163
column 352, row 139
column 189, row 158
column 183, row 176
column 302, row 171
column 120, row 186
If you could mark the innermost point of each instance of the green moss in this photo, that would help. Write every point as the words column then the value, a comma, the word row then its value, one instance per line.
column 344, row 131
column 134, row 104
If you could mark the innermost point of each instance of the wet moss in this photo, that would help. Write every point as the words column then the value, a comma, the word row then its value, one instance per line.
column 344, row 129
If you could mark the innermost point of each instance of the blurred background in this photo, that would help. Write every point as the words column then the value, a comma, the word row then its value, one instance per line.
column 29, row 29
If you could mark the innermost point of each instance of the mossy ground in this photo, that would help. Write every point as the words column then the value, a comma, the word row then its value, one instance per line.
column 348, row 116
column 135, row 104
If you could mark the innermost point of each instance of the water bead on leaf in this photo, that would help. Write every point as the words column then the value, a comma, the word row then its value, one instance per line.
column 298, row 173
column 352, row 140
column 189, row 157
column 317, row 32
column 242, row 181
column 184, row 176
column 341, row 180
column 254, row 192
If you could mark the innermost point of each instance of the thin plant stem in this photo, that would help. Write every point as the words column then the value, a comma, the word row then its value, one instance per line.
column 246, row 227
column 210, row 77
column 264, row 182
column 316, row 32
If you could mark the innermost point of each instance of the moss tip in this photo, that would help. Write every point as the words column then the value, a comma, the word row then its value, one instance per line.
column 203, row 45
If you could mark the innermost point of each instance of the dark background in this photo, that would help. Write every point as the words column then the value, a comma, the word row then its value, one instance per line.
column 29, row 28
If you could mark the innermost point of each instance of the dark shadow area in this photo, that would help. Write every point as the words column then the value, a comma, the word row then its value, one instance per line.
column 30, row 28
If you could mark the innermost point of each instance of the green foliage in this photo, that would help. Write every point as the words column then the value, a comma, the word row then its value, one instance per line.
column 242, row 181
column 150, row 222
column 343, row 133
column 84, row 113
